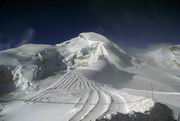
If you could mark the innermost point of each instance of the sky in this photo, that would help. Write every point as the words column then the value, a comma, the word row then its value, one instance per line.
column 133, row 23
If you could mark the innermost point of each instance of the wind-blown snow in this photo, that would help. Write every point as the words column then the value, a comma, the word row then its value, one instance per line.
column 167, row 57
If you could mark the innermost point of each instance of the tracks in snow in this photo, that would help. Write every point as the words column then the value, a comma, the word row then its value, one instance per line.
column 96, row 102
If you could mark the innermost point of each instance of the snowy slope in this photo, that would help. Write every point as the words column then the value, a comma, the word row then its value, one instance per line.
column 74, row 97
column 80, row 80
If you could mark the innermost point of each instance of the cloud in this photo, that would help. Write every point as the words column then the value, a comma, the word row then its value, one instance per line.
column 27, row 36
column 141, row 53
column 138, row 51
column 2, row 45
column 6, row 43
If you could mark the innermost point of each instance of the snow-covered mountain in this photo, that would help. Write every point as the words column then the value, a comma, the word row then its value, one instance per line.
column 33, row 62
column 166, row 56
column 82, row 79
column 88, row 48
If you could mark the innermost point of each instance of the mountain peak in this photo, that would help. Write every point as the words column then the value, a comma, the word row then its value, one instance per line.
column 81, row 53
column 92, row 36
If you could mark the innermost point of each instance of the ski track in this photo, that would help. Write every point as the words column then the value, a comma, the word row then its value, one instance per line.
column 98, row 101
column 85, row 108
column 107, row 103
column 91, row 85
column 66, row 82
column 88, row 86
column 99, row 108
column 53, row 86
column 82, row 81
column 70, row 81
column 117, row 103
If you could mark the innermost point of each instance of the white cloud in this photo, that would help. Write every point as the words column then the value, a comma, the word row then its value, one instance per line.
column 27, row 36
column 139, row 51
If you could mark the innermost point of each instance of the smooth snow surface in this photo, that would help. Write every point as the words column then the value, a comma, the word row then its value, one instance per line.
column 84, row 78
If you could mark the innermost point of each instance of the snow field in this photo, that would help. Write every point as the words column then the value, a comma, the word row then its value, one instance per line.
column 78, row 99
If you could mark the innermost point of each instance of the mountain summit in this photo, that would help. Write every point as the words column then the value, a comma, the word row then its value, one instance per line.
column 88, row 48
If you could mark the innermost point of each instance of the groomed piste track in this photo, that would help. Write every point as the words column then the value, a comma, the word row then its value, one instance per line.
column 94, row 100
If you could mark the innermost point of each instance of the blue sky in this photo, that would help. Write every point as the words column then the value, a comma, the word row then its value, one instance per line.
column 134, row 23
